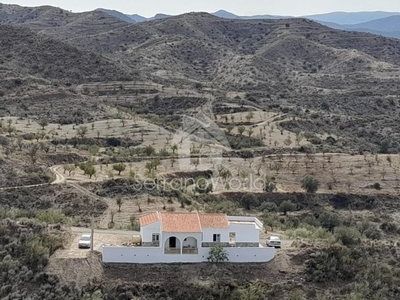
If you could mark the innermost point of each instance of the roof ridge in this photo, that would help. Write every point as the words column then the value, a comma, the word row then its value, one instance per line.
column 161, row 221
column 198, row 219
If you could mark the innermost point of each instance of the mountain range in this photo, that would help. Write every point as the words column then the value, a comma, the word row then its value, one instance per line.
column 271, row 63
column 381, row 23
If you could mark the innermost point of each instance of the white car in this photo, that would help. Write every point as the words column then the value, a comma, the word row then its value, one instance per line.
column 274, row 241
column 85, row 241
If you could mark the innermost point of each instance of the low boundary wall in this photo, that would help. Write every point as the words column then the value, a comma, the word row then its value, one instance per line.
column 150, row 255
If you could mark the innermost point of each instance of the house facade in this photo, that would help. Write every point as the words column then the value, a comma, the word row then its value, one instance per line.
column 187, row 237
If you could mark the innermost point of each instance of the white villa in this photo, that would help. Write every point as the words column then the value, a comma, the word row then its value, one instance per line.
column 187, row 238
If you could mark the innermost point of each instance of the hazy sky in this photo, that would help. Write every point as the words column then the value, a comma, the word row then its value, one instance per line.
column 240, row 7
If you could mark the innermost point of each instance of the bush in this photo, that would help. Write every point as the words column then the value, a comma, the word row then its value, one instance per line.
column 287, row 206
column 203, row 186
column 268, row 206
column 390, row 228
column 377, row 186
column 373, row 233
column 336, row 263
column 217, row 254
column 51, row 217
column 225, row 207
column 310, row 184
column 248, row 200
column 298, row 233
column 329, row 220
column 347, row 235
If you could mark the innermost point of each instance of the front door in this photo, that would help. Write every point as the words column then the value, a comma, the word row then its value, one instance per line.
column 172, row 242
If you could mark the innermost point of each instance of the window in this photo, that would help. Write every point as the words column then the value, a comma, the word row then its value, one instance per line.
column 216, row 238
column 232, row 237
column 155, row 238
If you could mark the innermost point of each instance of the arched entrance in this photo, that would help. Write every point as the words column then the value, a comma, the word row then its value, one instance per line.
column 172, row 245
column 189, row 245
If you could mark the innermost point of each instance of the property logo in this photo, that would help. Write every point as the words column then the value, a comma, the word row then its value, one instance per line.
column 200, row 143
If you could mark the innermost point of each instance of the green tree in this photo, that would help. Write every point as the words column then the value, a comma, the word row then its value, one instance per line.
column 310, row 184
column 81, row 131
column 119, row 202
column 203, row 186
column 89, row 170
column 119, row 168
column 217, row 254
column 241, row 129
column 287, row 206
column 329, row 220
column 174, row 148
column 249, row 116
column 229, row 128
column 43, row 123
column 69, row 169
column 269, row 184
column 149, row 150
column 94, row 149
column 248, row 200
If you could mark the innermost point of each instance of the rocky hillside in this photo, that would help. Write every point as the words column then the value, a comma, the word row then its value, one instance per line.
column 26, row 55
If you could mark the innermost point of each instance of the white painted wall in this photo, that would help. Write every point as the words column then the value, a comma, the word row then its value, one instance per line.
column 245, row 233
column 144, row 255
column 147, row 231
column 191, row 241
column 209, row 232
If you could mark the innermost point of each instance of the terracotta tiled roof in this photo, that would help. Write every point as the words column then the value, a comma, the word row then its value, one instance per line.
column 213, row 221
column 180, row 222
column 149, row 219
column 185, row 222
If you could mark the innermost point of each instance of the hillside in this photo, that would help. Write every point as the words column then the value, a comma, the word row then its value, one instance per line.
column 29, row 53
column 294, row 64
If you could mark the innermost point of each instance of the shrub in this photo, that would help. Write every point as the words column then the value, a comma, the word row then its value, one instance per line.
column 287, row 206
column 377, row 186
column 329, row 220
column 373, row 233
column 51, row 217
column 336, row 263
column 347, row 235
column 390, row 228
column 268, row 206
column 298, row 233
column 203, row 186
column 217, row 254
column 310, row 184
column 248, row 200
column 226, row 207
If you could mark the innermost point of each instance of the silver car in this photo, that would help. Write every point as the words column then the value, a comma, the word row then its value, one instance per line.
column 85, row 241
column 274, row 241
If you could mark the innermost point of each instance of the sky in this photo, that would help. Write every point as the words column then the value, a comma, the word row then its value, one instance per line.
column 149, row 8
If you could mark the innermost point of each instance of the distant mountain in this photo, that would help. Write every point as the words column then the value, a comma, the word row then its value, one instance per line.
column 389, row 24
column 159, row 17
column 351, row 18
column 225, row 14
column 380, row 23
column 137, row 18
column 118, row 15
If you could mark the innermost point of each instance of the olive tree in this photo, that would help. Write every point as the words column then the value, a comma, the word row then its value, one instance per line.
column 310, row 184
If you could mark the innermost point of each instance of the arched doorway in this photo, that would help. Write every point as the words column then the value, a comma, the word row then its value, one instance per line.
column 172, row 245
column 189, row 245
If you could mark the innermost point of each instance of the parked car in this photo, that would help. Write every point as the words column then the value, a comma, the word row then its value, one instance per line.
column 85, row 241
column 274, row 241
